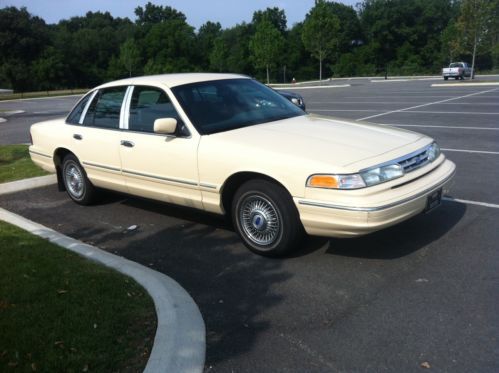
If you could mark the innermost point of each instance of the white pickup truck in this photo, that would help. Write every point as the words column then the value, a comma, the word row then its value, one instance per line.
column 457, row 70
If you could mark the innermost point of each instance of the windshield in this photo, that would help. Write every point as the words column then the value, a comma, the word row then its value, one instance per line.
column 224, row 105
column 456, row 65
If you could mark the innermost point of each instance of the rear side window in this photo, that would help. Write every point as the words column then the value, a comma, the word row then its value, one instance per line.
column 147, row 105
column 75, row 115
column 104, row 111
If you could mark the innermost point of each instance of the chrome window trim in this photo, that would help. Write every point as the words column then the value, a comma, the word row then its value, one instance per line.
column 125, row 108
column 377, row 208
column 84, row 112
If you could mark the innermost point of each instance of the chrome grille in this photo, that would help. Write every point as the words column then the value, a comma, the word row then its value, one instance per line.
column 414, row 161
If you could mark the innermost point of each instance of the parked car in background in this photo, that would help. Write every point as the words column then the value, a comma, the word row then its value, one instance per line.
column 457, row 70
column 227, row 144
column 295, row 98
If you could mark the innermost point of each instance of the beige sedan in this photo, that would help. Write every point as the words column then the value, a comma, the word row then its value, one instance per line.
column 229, row 145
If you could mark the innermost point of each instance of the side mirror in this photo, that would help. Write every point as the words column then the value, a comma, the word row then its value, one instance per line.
column 165, row 126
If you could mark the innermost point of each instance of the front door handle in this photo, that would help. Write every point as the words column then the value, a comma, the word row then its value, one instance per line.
column 77, row 136
column 127, row 143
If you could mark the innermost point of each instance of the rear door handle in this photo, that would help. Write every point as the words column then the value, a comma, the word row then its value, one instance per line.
column 77, row 136
column 127, row 143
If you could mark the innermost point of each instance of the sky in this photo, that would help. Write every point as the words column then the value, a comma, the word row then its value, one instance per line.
column 227, row 12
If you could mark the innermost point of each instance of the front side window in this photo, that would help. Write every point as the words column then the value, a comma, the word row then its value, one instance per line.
column 147, row 105
column 104, row 111
column 224, row 105
column 75, row 115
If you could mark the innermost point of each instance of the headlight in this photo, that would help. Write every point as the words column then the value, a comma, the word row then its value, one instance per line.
column 353, row 181
column 371, row 176
column 433, row 152
column 381, row 174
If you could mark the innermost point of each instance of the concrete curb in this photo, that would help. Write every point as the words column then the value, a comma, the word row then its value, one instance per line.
column 180, row 342
column 484, row 84
column 41, row 98
column 34, row 182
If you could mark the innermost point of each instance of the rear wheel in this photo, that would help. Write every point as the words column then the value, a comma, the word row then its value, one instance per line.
column 79, row 188
column 266, row 218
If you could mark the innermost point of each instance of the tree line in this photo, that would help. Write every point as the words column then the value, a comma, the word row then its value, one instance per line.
column 396, row 37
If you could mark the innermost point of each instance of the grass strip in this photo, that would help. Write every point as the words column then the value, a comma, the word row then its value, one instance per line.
column 60, row 312
column 16, row 164
column 63, row 92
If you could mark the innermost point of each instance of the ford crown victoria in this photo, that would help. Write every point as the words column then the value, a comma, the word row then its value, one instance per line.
column 228, row 144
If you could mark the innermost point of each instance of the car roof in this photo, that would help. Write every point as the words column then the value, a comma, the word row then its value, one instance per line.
column 172, row 80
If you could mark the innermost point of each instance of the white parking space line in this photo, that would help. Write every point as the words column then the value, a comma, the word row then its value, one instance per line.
column 470, row 151
column 449, row 112
column 407, row 111
column 397, row 102
column 428, row 104
column 432, row 126
column 468, row 202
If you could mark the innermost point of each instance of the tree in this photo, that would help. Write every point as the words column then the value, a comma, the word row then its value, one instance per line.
column 276, row 16
column 129, row 55
column 266, row 46
column 205, row 40
column 320, row 32
column 476, row 25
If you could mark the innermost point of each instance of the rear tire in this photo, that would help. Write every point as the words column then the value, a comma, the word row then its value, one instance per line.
column 77, row 185
column 266, row 219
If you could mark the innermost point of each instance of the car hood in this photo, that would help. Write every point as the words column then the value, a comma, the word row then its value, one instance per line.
column 332, row 142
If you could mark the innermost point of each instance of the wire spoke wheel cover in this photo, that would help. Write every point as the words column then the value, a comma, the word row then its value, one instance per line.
column 259, row 219
column 74, row 180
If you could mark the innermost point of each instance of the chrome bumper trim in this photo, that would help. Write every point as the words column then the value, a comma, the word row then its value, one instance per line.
column 377, row 208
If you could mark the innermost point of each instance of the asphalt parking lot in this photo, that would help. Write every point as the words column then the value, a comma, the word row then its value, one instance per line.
column 426, row 290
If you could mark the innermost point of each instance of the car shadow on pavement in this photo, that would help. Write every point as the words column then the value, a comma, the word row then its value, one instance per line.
column 402, row 239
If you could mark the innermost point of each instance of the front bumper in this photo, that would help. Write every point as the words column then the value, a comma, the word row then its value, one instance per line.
column 331, row 219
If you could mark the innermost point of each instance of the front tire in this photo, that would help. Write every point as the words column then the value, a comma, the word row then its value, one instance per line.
column 446, row 78
column 77, row 185
column 266, row 218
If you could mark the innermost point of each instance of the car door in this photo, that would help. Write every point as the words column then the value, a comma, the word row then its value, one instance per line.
column 154, row 165
column 96, row 138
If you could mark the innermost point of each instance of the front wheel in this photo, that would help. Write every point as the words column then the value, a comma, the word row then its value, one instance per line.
column 266, row 218
column 79, row 188
column 446, row 78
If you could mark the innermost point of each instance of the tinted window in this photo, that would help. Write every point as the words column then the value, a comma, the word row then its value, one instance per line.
column 223, row 105
column 104, row 111
column 147, row 105
column 75, row 115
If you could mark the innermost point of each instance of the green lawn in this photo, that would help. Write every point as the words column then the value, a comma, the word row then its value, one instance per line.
column 15, row 163
column 60, row 312
column 64, row 92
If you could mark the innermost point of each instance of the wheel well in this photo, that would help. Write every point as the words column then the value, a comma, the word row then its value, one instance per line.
column 59, row 155
column 233, row 183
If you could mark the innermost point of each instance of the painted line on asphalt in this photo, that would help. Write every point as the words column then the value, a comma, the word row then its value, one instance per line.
column 431, row 126
column 470, row 151
column 465, row 84
column 468, row 202
column 395, row 102
column 408, row 111
column 428, row 104
column 3, row 120
column 314, row 87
